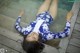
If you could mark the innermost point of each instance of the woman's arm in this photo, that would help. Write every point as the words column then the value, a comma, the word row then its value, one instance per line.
column 17, row 24
column 63, row 33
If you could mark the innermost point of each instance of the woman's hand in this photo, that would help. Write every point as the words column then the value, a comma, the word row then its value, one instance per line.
column 21, row 12
column 69, row 15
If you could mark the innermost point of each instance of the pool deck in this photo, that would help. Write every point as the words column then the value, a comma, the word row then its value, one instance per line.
column 9, row 37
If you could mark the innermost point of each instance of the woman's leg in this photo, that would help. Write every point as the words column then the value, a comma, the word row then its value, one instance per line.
column 44, row 6
column 53, row 8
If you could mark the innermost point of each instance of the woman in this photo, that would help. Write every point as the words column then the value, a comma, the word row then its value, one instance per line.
column 38, row 31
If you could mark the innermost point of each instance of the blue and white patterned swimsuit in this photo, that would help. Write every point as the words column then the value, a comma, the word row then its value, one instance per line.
column 41, row 26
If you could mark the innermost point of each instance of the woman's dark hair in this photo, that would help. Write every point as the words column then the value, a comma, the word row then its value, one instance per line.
column 32, row 47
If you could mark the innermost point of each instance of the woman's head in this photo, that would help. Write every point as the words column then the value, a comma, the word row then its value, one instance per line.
column 32, row 37
column 32, row 45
